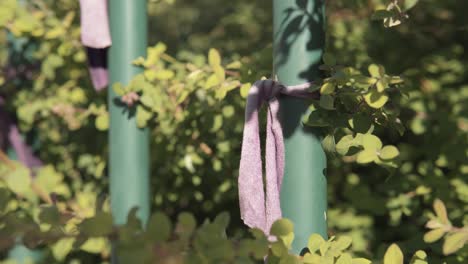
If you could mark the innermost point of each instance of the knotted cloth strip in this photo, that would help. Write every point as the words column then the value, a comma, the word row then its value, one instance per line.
column 258, row 211
column 95, row 24
column 95, row 35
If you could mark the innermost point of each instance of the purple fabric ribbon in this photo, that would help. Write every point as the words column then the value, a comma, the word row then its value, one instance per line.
column 258, row 211
column 10, row 136
column 95, row 35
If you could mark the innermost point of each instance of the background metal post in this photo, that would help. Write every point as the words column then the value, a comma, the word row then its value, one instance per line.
column 298, row 46
column 129, row 145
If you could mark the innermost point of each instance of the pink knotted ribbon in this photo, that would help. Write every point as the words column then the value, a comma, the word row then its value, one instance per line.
column 95, row 24
column 258, row 211
column 95, row 35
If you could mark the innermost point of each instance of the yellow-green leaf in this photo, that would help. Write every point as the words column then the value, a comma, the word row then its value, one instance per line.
column 159, row 227
column 375, row 99
column 366, row 156
column 213, row 80
column 345, row 259
column 234, row 65
column 374, row 70
column 454, row 242
column 393, row 255
column 19, row 180
column 164, row 74
column 102, row 122
column 315, row 241
column 371, row 142
column 441, row 212
column 282, row 227
column 214, row 59
column 434, row 235
column 327, row 88
column 244, row 90
column 361, row 261
column 61, row 248
column 389, row 152
column 327, row 102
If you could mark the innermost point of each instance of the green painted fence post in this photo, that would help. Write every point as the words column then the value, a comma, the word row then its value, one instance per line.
column 128, row 144
column 298, row 46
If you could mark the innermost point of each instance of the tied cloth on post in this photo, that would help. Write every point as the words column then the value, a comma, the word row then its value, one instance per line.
column 258, row 211
column 95, row 35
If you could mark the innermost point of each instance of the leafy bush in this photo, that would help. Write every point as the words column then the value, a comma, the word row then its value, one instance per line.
column 392, row 109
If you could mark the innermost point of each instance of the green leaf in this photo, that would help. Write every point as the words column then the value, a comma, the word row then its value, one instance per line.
column 99, row 225
column 314, row 243
column 186, row 223
column 214, row 59
column 147, row 100
column 217, row 123
column 419, row 258
column 282, row 227
column 95, row 245
column 50, row 180
column 222, row 220
column 244, row 90
column 220, row 73
column 366, row 156
column 289, row 259
column 7, row 11
column 381, row 14
column 375, row 99
column 371, row 142
column 345, row 259
column 140, row 61
column 329, row 59
column 4, row 199
column 454, row 242
column 327, row 102
column 312, row 259
column 343, row 243
column 49, row 215
column 380, row 85
column 164, row 74
column 393, row 255
column 361, row 261
column 410, row 4
column 212, row 80
column 118, row 89
column 228, row 111
column 342, row 147
column 327, row 88
column 360, row 123
column 278, row 249
column 389, row 152
column 235, row 65
column 434, row 235
column 376, row 71
column 62, row 247
column 19, row 180
column 159, row 227
column 441, row 212
column 102, row 122
column 328, row 143
column 142, row 116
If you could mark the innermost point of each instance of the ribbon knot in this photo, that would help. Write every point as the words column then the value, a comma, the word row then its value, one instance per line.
column 269, row 89
column 260, row 203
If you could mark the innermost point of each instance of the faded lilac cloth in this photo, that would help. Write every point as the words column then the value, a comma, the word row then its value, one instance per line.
column 11, row 136
column 95, row 35
column 259, row 209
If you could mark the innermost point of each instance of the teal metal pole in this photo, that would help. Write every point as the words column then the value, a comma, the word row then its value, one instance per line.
column 128, row 145
column 298, row 46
